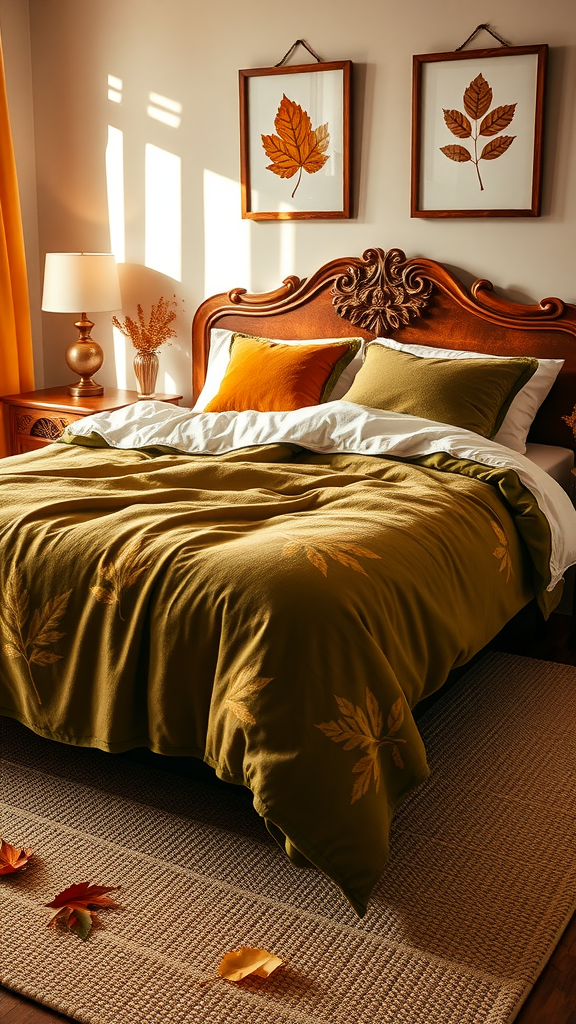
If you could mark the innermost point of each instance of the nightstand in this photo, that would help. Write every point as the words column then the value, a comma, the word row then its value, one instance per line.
column 38, row 418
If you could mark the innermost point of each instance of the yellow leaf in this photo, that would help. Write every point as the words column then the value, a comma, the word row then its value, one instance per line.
column 103, row 595
column 245, row 685
column 396, row 716
column 499, row 533
column 240, row 963
column 316, row 558
column 396, row 757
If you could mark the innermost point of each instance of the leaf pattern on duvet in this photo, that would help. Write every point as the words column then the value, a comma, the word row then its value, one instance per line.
column 340, row 551
column 359, row 728
column 502, row 551
column 117, row 575
column 244, row 686
column 30, row 640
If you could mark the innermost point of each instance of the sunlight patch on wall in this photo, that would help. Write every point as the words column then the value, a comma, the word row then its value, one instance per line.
column 161, row 108
column 115, row 189
column 114, row 89
column 287, row 244
column 163, row 212
column 120, row 359
column 226, row 236
column 170, row 387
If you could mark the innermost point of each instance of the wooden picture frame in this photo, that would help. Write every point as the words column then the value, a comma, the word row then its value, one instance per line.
column 464, row 100
column 295, row 141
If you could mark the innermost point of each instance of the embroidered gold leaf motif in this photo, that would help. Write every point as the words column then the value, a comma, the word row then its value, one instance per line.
column 502, row 551
column 121, row 573
column 30, row 641
column 244, row 686
column 344, row 553
column 357, row 729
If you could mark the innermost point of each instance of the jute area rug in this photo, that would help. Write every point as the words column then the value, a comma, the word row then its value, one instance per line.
column 481, row 883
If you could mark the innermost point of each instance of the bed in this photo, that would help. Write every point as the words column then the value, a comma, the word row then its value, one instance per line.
column 275, row 591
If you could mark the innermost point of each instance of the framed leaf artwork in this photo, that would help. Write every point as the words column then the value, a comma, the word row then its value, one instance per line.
column 477, row 132
column 295, row 141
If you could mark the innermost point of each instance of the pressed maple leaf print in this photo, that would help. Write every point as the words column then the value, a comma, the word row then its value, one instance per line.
column 13, row 858
column 477, row 100
column 347, row 554
column 244, row 686
column 502, row 551
column 76, row 907
column 297, row 147
column 28, row 637
column 359, row 728
column 117, row 575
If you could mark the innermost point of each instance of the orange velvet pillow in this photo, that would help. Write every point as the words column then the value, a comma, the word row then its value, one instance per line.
column 271, row 377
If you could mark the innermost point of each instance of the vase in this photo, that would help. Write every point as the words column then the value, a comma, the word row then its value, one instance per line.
column 146, row 369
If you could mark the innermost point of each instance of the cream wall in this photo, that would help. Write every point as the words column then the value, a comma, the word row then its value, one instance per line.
column 190, row 51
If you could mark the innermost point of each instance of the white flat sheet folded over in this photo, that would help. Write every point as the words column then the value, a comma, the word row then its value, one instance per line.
column 330, row 428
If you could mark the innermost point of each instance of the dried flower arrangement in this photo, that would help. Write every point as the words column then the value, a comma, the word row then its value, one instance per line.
column 571, row 420
column 148, row 337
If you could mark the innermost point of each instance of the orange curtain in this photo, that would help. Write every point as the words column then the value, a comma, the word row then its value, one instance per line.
column 16, row 366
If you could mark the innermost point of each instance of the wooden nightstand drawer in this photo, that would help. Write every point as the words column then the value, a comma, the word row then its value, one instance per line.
column 34, row 428
column 38, row 418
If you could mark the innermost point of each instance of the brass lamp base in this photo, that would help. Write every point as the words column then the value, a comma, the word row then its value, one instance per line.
column 85, row 357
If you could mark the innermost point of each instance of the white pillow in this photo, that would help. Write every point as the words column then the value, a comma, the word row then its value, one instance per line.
column 219, row 357
column 524, row 406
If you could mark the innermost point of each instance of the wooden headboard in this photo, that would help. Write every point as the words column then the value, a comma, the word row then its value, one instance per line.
column 416, row 300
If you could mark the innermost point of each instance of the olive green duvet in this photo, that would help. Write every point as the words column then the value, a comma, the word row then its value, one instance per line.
column 272, row 611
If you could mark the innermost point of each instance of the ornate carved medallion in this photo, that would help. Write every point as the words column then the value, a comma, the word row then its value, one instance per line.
column 380, row 293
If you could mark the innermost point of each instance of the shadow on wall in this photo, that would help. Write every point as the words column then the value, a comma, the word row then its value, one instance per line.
column 141, row 285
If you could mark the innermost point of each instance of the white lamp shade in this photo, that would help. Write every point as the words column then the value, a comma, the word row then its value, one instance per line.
column 81, row 282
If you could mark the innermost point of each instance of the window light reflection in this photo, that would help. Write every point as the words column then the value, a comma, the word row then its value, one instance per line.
column 161, row 108
column 114, row 89
column 115, row 189
column 163, row 212
column 226, row 235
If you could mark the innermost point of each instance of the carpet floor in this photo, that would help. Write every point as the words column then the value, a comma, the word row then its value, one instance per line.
column 481, row 882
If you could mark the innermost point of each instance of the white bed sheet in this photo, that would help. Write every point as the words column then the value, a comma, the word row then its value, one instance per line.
column 557, row 462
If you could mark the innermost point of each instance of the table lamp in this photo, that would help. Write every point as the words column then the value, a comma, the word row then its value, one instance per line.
column 75, row 281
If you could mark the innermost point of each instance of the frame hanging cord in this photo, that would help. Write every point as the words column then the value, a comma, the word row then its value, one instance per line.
column 475, row 33
column 299, row 42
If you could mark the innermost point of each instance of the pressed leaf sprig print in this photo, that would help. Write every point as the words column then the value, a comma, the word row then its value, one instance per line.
column 502, row 551
column 13, row 858
column 117, row 575
column 298, row 146
column 30, row 640
column 477, row 100
column 358, row 728
column 244, row 686
column 344, row 553
column 76, row 907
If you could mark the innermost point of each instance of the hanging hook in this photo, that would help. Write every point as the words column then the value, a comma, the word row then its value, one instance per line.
column 476, row 31
column 299, row 42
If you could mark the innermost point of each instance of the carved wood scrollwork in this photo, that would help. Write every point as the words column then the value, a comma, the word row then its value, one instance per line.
column 23, row 422
column 379, row 293
column 51, row 429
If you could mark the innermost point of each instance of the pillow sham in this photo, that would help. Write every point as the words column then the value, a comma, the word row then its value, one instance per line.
column 219, row 357
column 470, row 393
column 269, row 376
column 524, row 406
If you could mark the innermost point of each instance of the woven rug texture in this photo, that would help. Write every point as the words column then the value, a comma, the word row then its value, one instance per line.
column 481, row 882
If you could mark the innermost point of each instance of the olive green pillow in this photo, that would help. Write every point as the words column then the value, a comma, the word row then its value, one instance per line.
column 471, row 393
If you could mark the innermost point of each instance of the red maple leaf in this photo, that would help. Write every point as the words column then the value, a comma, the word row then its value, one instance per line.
column 76, row 906
column 12, row 858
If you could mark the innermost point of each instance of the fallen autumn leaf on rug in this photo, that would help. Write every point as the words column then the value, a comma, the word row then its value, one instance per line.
column 12, row 858
column 242, row 962
column 76, row 906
